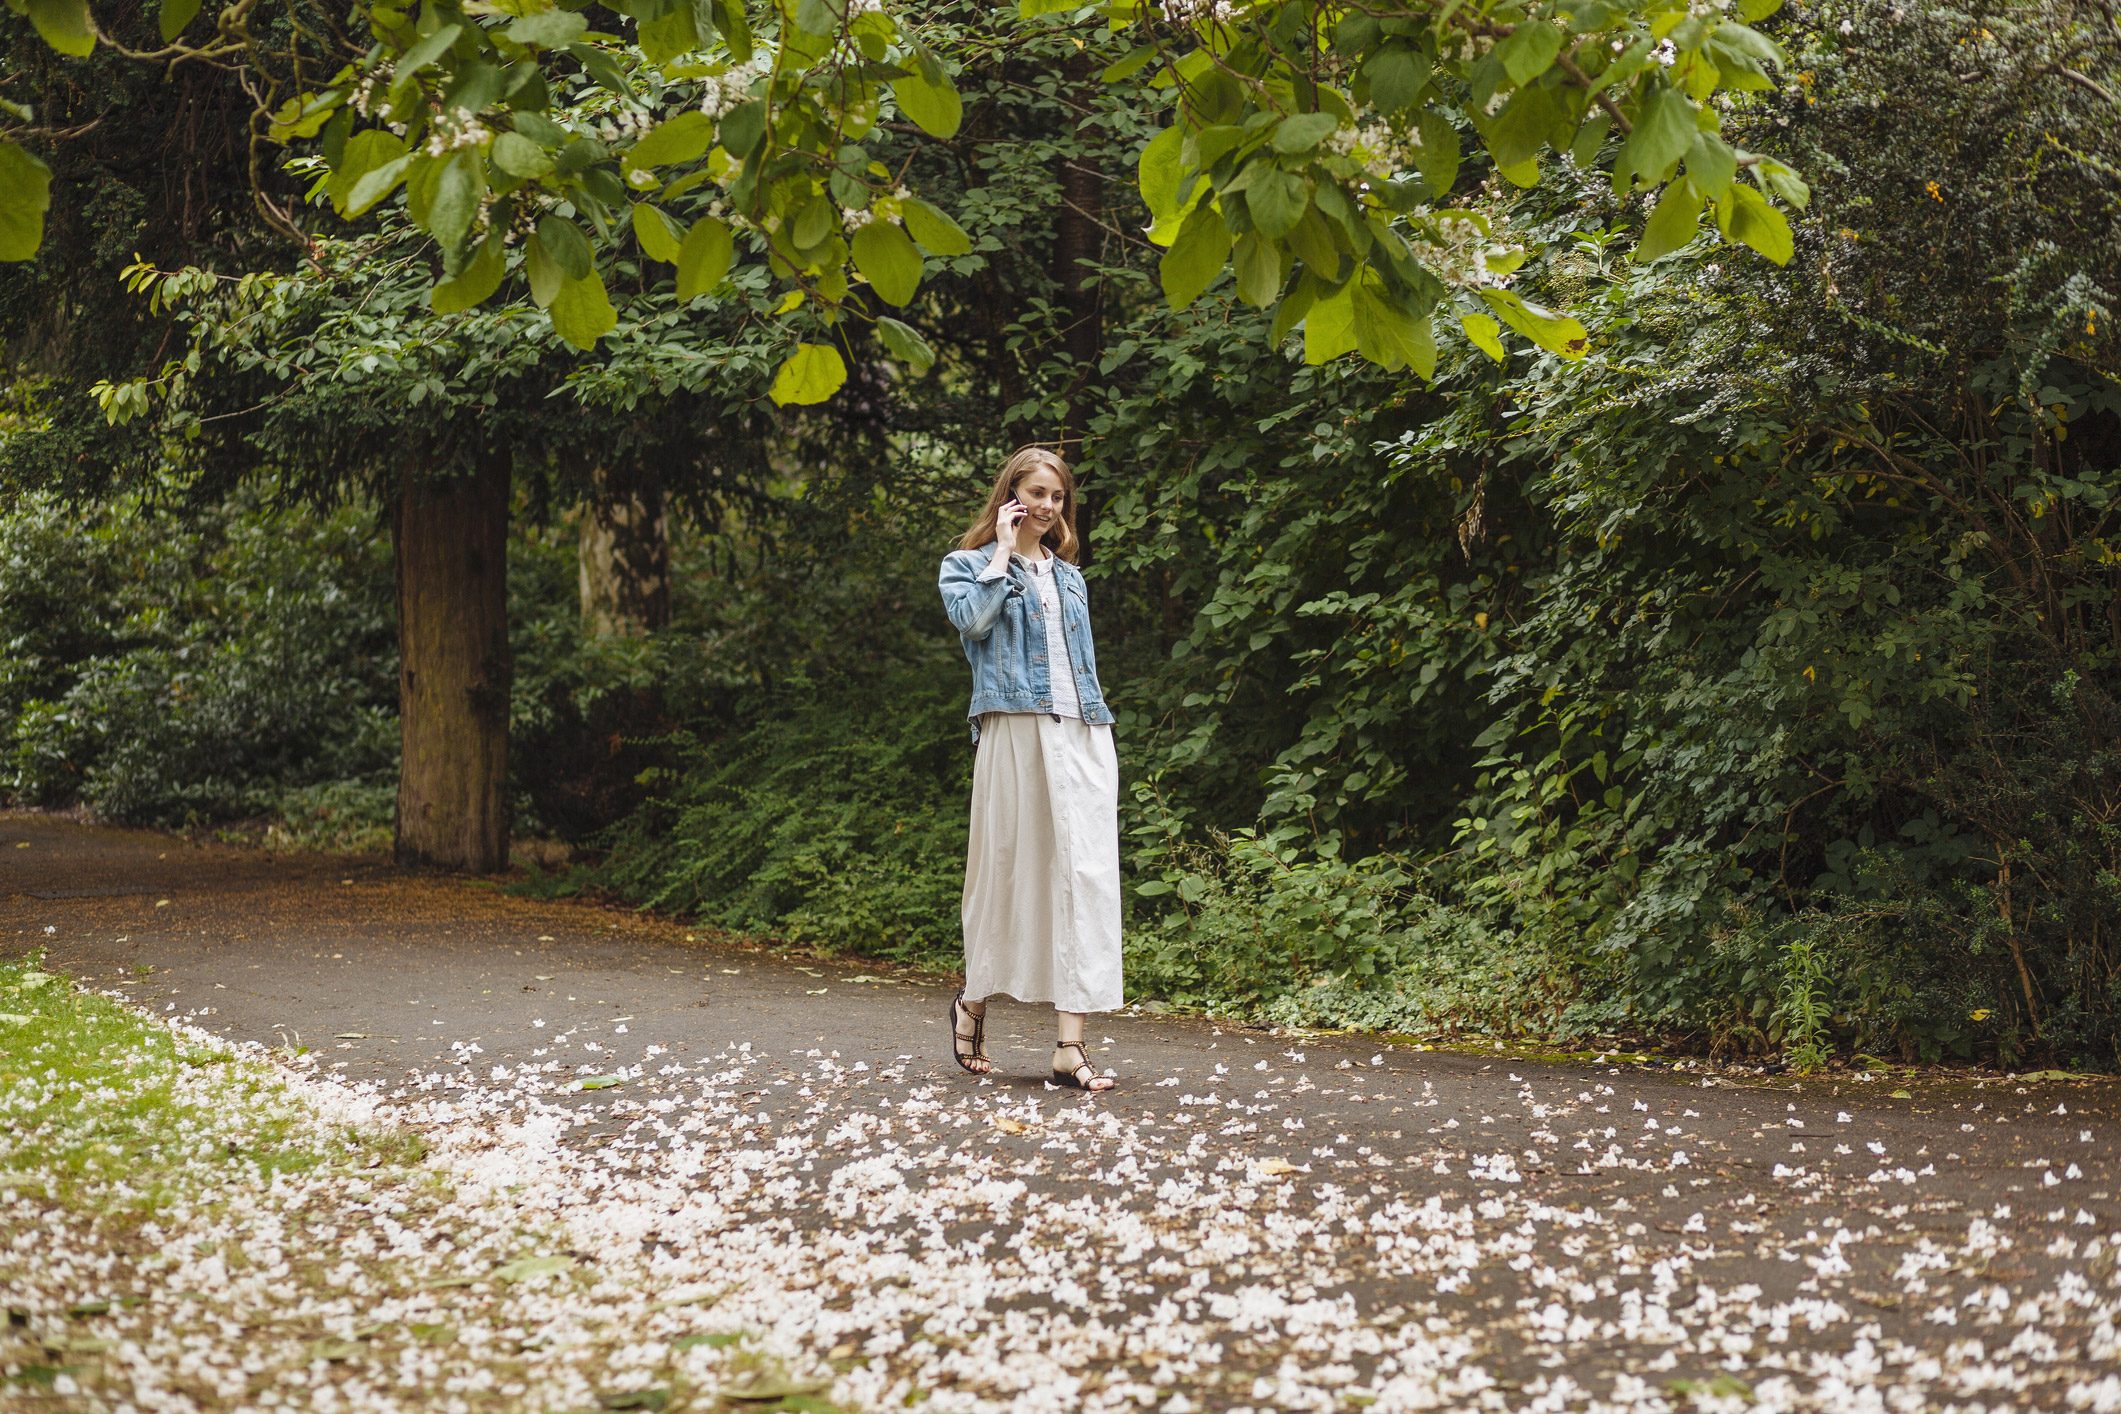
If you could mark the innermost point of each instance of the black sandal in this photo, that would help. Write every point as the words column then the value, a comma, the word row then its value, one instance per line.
column 978, row 1038
column 1074, row 1078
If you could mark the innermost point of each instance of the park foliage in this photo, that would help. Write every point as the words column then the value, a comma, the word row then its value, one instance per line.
column 1635, row 636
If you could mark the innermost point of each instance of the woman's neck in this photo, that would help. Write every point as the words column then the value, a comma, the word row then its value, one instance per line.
column 1028, row 546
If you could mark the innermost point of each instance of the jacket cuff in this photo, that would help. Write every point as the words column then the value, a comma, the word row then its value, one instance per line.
column 993, row 572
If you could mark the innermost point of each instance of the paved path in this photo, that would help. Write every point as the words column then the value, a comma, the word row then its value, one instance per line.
column 1253, row 1218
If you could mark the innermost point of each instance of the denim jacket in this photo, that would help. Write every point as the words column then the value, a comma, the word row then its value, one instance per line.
column 1002, row 623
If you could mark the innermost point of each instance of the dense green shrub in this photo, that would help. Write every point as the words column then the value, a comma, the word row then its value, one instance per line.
column 1755, row 678
column 177, row 670
column 828, row 811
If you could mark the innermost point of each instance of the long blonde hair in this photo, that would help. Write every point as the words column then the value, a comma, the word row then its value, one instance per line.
column 1022, row 462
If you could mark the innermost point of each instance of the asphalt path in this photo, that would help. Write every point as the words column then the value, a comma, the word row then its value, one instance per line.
column 1590, row 1234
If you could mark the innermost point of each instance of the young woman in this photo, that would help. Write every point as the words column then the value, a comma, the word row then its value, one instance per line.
column 1041, row 902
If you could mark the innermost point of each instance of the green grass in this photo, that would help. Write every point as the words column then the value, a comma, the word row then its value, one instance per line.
column 103, row 1105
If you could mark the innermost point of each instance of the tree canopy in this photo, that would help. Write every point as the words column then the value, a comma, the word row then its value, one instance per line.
column 1310, row 149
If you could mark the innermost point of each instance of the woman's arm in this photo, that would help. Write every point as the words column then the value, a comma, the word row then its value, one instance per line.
column 973, row 594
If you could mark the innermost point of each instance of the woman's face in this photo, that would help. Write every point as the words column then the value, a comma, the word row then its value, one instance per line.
column 1041, row 494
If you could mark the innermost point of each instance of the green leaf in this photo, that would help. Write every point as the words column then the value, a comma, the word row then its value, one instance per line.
column 820, row 17
column 769, row 1385
column 373, row 150
column 524, row 1268
column 813, row 224
column 476, row 87
column 456, row 200
column 1276, row 199
column 1195, row 258
column 63, row 24
column 1032, row 9
column 543, row 272
column 1421, row 350
column 735, row 29
column 1672, row 224
column 569, row 248
column 548, row 29
column 1590, row 138
column 1158, row 172
column 1329, row 328
column 1529, row 50
column 420, row 55
column 744, row 128
column 305, row 115
column 1556, row 333
column 1312, row 241
column 661, row 238
column 1664, row 130
column 479, row 278
column 684, row 138
column 886, row 257
column 1385, row 334
column 518, row 156
column 1396, row 76
column 1522, row 174
column 933, row 229
column 1780, row 179
column 670, row 35
column 930, row 100
column 1748, row 219
column 1294, row 306
column 25, row 195
column 1710, row 164
column 813, row 373
column 704, row 258
column 582, row 312
column 906, row 345
column 1135, row 60
column 421, row 179
column 845, row 181
column 541, row 130
column 1300, row 132
column 1437, row 157
column 176, row 14
column 1528, row 124
column 1260, row 271
column 1485, row 333
column 376, row 185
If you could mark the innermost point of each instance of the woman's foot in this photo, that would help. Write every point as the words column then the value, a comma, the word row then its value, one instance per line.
column 1071, row 1067
column 969, row 1047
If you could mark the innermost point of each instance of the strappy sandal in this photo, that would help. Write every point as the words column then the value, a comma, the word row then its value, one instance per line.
column 978, row 1038
column 1076, row 1078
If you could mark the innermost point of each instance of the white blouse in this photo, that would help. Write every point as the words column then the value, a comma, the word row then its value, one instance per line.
column 1066, row 702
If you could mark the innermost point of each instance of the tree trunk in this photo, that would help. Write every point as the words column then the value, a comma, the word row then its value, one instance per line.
column 454, row 668
column 1079, row 237
column 625, row 555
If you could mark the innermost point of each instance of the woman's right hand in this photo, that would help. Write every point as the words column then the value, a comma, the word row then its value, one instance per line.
column 1005, row 523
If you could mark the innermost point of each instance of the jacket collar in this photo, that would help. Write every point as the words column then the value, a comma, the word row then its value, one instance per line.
column 987, row 550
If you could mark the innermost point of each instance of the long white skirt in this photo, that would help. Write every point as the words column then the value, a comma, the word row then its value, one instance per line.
column 1041, row 906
